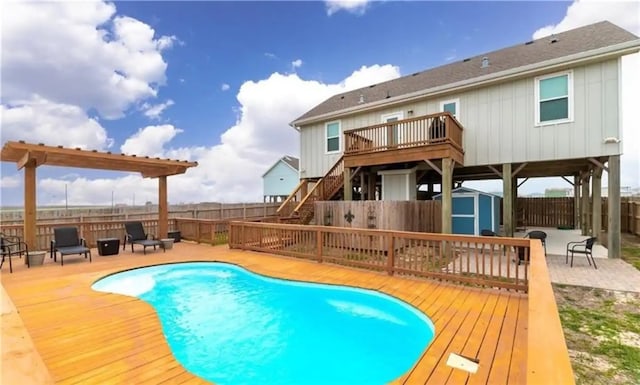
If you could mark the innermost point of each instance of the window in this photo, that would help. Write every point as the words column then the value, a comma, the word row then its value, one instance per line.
column 333, row 137
column 554, row 99
column 452, row 107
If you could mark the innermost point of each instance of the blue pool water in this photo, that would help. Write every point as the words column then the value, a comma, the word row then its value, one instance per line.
column 230, row 326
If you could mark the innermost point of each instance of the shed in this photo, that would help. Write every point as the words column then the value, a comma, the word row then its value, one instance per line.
column 473, row 210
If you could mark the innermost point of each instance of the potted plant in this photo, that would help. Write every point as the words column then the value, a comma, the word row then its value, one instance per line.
column 36, row 258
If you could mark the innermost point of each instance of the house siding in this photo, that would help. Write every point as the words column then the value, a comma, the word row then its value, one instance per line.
column 499, row 122
column 272, row 183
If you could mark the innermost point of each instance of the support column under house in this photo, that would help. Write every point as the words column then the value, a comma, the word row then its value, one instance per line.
column 613, row 203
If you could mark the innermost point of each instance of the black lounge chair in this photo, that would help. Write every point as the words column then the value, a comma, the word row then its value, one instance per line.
column 582, row 247
column 10, row 246
column 134, row 234
column 67, row 241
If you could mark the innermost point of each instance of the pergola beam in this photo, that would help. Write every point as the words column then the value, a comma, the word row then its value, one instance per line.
column 29, row 156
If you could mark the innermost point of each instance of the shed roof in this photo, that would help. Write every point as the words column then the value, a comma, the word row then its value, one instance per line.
column 39, row 154
column 584, row 39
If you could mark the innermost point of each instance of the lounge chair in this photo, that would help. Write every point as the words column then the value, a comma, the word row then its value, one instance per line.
column 67, row 241
column 135, row 234
column 583, row 247
column 10, row 246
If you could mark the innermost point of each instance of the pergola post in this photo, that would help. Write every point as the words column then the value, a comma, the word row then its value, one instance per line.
column 29, row 230
column 507, row 200
column 596, row 205
column 163, row 212
column 584, row 206
column 362, row 186
column 348, row 190
column 447, row 201
column 613, row 200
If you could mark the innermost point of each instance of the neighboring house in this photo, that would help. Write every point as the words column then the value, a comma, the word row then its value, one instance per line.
column 280, row 179
column 547, row 107
column 558, row 192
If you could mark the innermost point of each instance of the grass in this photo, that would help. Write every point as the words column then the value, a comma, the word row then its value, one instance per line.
column 631, row 254
column 602, row 329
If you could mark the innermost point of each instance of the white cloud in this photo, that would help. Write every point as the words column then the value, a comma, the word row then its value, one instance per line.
column 80, row 53
column 230, row 171
column 622, row 13
column 357, row 7
column 296, row 63
column 11, row 181
column 150, row 141
column 42, row 121
column 225, row 87
column 155, row 111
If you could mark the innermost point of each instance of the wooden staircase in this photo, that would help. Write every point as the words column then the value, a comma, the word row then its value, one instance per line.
column 325, row 189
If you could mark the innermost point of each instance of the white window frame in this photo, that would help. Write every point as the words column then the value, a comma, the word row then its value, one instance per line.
column 326, row 137
column 570, row 96
column 456, row 101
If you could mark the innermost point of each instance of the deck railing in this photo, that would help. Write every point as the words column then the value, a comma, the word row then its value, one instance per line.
column 483, row 261
column 401, row 134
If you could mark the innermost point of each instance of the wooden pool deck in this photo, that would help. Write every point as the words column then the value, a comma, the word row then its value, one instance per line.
column 89, row 337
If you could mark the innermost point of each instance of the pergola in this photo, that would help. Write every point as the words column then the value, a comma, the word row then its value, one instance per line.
column 29, row 156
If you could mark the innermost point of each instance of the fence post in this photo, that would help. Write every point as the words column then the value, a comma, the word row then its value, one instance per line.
column 197, row 232
column 390, row 253
column 319, row 244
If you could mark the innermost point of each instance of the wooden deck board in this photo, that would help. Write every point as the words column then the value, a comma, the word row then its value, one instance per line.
column 92, row 338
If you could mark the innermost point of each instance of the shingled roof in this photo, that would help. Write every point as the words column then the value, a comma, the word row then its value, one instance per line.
column 591, row 37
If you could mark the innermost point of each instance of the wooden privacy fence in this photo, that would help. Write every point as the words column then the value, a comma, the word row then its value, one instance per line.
column 209, row 231
column 546, row 212
column 418, row 216
column 203, row 211
column 483, row 261
column 554, row 212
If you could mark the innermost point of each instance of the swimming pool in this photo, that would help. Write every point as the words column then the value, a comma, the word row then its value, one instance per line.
column 231, row 326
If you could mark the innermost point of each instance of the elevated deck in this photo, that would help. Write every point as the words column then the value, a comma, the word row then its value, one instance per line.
column 433, row 136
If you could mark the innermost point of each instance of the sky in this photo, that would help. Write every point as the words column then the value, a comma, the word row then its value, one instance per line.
column 219, row 82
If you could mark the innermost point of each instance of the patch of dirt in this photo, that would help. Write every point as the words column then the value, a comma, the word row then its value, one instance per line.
column 595, row 362
column 630, row 339
column 602, row 332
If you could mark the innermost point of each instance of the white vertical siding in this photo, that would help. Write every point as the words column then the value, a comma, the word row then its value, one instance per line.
column 499, row 122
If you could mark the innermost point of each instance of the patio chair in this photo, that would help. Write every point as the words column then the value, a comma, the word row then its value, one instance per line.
column 10, row 246
column 488, row 233
column 135, row 234
column 67, row 241
column 541, row 235
column 582, row 247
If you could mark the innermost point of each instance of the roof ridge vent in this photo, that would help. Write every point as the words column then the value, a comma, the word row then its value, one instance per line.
column 553, row 39
column 485, row 62
column 529, row 42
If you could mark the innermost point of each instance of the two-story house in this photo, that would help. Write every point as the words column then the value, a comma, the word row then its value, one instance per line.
column 547, row 107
